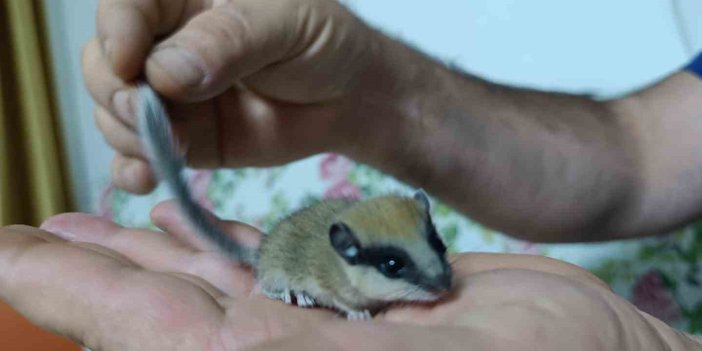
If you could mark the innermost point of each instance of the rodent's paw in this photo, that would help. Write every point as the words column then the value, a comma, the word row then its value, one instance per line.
column 304, row 300
column 283, row 295
column 358, row 315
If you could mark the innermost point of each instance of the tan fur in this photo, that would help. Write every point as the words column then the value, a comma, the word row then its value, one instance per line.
column 297, row 254
column 390, row 216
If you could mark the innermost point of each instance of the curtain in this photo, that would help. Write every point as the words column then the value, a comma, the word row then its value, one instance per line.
column 33, row 182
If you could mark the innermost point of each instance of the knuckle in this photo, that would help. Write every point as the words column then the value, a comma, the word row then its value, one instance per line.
column 228, row 26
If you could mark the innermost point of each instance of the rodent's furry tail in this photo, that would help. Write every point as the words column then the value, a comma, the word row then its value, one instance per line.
column 165, row 158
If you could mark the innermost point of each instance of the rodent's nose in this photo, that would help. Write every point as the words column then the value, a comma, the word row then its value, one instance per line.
column 445, row 281
column 440, row 283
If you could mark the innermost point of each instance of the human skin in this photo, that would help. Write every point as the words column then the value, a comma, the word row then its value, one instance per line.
column 254, row 83
column 113, row 288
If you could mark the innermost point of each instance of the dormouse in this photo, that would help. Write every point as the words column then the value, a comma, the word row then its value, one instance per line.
column 354, row 256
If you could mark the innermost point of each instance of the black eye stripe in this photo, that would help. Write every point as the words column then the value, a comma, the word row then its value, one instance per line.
column 434, row 238
column 377, row 257
column 391, row 262
column 373, row 256
column 436, row 243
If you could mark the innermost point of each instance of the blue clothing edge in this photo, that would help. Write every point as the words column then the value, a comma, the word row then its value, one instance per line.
column 695, row 66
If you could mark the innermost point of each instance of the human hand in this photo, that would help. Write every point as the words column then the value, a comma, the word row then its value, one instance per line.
column 112, row 288
column 248, row 82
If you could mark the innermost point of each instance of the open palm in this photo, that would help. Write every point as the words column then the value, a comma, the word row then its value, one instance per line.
column 112, row 288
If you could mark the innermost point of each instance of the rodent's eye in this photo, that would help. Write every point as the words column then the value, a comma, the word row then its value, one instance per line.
column 392, row 267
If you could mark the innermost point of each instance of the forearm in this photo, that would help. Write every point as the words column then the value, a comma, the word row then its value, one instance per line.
column 665, row 120
column 536, row 165
column 672, row 339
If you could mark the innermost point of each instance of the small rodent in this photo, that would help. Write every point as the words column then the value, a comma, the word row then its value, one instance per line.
column 350, row 255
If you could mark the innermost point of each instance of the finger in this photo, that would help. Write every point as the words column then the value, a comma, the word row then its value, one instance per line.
column 62, row 225
column 168, row 217
column 470, row 267
column 116, row 116
column 155, row 251
column 475, row 263
column 79, row 227
column 108, row 90
column 39, row 234
column 128, row 28
column 132, row 174
column 99, row 300
column 120, row 137
column 224, row 44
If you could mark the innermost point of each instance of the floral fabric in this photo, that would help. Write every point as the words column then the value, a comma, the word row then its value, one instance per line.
column 661, row 276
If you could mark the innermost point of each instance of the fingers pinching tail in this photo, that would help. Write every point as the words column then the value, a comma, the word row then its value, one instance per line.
column 283, row 55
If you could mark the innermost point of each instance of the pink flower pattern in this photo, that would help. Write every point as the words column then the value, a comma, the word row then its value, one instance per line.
column 335, row 170
column 652, row 296
column 199, row 185
column 529, row 248
column 343, row 189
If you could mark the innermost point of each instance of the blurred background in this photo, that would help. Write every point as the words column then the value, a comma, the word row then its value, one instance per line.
column 53, row 160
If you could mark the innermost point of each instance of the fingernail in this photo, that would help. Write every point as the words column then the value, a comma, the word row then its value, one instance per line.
column 64, row 235
column 56, row 226
column 122, row 102
column 181, row 65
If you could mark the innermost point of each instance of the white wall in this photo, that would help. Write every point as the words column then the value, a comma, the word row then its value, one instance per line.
column 601, row 47
column 594, row 46
column 72, row 24
column 689, row 13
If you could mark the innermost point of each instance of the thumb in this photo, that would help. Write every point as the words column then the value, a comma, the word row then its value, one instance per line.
column 224, row 44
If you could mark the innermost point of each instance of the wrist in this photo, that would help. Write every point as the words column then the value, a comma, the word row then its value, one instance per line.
column 388, row 110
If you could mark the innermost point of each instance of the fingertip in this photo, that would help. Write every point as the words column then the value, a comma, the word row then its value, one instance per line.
column 124, row 102
column 126, row 36
column 164, row 214
column 76, row 226
column 133, row 175
column 243, row 233
column 166, row 217
column 177, row 73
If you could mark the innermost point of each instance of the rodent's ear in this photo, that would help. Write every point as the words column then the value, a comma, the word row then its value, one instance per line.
column 344, row 242
column 423, row 199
